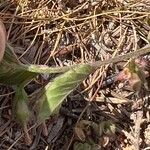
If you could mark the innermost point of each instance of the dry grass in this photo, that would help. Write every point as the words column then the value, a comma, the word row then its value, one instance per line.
column 62, row 33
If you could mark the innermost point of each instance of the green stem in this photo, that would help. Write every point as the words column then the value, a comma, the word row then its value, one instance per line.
column 45, row 69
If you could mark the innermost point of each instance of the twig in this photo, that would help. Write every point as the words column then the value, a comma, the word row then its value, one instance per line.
column 138, row 121
column 11, row 146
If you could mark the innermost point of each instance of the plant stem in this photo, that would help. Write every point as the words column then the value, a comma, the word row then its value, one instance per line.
column 97, row 64
column 44, row 69
column 124, row 57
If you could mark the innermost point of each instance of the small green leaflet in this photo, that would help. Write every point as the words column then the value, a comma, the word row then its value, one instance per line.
column 84, row 146
column 20, row 106
column 55, row 92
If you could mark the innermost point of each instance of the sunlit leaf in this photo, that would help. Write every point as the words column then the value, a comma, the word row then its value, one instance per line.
column 55, row 92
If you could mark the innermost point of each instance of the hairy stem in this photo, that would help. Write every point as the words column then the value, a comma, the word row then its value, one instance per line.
column 97, row 64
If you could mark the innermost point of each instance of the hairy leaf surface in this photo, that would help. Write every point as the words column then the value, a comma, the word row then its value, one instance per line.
column 55, row 92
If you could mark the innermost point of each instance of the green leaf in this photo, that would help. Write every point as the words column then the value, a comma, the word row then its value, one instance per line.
column 20, row 106
column 104, row 127
column 21, row 110
column 84, row 146
column 12, row 72
column 109, row 128
column 55, row 92
column 10, row 56
column 15, row 75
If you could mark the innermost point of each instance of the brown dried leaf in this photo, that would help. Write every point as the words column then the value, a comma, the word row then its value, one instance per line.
column 113, row 100
column 80, row 134
column 135, row 76
column 128, row 147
